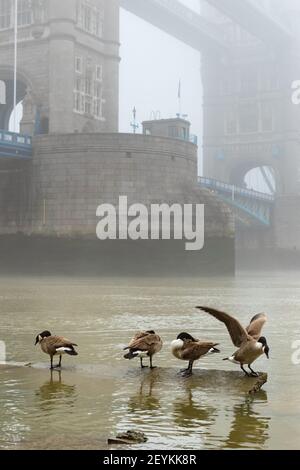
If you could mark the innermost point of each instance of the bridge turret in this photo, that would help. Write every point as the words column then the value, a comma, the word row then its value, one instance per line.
column 68, row 61
column 174, row 128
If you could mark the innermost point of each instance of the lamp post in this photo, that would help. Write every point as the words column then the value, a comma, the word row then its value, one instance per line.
column 15, row 62
column 134, row 124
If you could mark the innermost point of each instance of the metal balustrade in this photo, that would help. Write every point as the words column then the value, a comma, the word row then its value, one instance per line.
column 13, row 145
column 253, row 205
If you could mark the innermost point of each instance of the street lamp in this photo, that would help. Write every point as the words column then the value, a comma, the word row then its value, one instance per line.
column 134, row 124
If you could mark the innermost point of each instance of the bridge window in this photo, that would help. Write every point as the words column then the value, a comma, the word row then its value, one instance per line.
column 98, row 101
column 25, row 13
column 229, row 83
column 173, row 131
column 249, row 81
column 267, row 117
column 79, row 95
column 2, row 92
column 5, row 14
column 78, row 64
column 88, row 94
column 269, row 80
column 99, row 73
column 230, row 121
column 90, row 18
column 25, row 16
column 249, row 117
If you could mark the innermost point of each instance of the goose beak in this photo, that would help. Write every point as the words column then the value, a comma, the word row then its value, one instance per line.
column 36, row 340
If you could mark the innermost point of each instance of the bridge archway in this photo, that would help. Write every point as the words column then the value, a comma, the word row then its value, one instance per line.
column 257, row 176
column 263, row 179
column 2, row 92
column 7, row 107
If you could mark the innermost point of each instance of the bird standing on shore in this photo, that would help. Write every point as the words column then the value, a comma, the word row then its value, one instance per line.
column 186, row 348
column 249, row 340
column 144, row 344
column 55, row 345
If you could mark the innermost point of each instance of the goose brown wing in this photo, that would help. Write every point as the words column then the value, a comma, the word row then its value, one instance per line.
column 54, row 342
column 237, row 332
column 137, row 337
column 194, row 350
column 145, row 342
column 256, row 325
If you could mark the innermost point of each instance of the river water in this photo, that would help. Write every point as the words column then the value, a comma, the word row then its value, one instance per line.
column 99, row 394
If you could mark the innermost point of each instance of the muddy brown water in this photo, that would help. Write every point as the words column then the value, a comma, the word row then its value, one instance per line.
column 98, row 394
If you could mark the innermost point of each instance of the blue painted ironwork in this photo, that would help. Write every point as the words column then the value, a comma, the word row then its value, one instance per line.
column 251, row 206
column 13, row 145
column 194, row 139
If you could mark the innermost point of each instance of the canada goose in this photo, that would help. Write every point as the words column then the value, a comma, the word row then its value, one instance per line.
column 144, row 344
column 251, row 345
column 186, row 348
column 55, row 345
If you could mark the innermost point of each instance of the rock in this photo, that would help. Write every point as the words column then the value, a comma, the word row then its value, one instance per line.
column 261, row 380
column 129, row 437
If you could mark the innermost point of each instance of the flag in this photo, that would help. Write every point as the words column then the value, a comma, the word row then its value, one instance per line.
column 179, row 89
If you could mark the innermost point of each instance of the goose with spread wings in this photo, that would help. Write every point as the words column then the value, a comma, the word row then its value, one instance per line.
column 249, row 340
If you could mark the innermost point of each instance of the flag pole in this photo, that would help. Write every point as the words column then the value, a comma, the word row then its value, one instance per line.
column 179, row 99
column 15, row 62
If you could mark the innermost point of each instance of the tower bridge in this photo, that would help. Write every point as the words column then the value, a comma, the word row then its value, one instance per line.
column 67, row 80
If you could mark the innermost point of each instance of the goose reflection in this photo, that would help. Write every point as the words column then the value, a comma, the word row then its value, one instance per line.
column 54, row 393
column 249, row 429
column 145, row 398
column 189, row 412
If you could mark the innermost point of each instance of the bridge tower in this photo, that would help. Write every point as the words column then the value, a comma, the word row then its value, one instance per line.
column 249, row 118
column 68, row 62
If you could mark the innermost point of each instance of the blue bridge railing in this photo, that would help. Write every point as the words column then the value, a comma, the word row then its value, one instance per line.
column 248, row 204
column 13, row 145
column 233, row 190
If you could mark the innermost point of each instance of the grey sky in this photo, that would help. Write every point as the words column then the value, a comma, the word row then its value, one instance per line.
column 151, row 67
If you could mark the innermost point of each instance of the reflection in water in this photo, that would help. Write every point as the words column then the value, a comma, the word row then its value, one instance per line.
column 101, row 395
column 145, row 399
column 54, row 394
column 14, row 427
column 248, row 428
column 189, row 413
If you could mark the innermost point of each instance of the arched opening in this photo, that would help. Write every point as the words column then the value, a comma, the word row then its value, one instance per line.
column 2, row 92
column 262, row 179
column 15, row 118
column 257, row 176
column 7, row 112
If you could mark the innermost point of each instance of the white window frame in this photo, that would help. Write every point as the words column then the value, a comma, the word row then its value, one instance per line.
column 231, row 115
column 6, row 15
column 78, row 64
column 90, row 18
column 88, row 89
column 99, row 73
column 25, row 14
column 2, row 92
